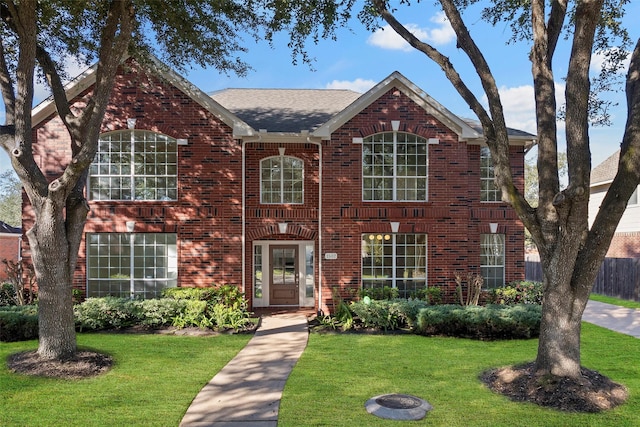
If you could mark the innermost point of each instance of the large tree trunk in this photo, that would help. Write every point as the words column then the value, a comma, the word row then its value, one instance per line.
column 50, row 255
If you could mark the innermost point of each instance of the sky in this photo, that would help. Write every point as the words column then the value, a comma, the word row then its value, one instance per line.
column 358, row 59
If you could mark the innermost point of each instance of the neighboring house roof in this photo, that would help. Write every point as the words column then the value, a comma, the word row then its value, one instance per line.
column 605, row 171
column 7, row 229
column 285, row 110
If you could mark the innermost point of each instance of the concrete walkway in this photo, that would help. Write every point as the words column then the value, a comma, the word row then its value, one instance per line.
column 616, row 318
column 247, row 391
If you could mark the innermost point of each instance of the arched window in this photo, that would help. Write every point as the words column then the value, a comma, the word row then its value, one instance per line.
column 134, row 165
column 394, row 167
column 281, row 180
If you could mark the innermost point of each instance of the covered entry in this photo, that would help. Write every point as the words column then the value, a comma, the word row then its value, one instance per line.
column 283, row 273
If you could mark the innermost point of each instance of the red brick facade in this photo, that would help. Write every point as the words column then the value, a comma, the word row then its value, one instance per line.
column 215, row 214
column 625, row 245
column 9, row 250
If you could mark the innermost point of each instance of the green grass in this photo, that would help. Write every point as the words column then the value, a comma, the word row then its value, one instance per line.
column 338, row 373
column 615, row 301
column 152, row 383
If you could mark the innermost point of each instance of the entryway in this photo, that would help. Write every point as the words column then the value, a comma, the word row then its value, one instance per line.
column 284, row 275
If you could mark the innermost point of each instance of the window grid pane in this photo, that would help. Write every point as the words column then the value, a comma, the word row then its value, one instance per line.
column 131, row 265
column 488, row 190
column 282, row 180
column 394, row 167
column 492, row 254
column 395, row 260
column 134, row 165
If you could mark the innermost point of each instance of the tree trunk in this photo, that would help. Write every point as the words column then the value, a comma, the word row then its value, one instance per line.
column 50, row 255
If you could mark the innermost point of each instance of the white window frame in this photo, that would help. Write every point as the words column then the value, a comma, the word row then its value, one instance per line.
column 492, row 259
column 489, row 193
column 395, row 175
column 405, row 275
column 128, row 265
column 128, row 166
column 297, row 165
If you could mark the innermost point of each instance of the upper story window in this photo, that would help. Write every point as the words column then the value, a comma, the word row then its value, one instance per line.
column 488, row 190
column 134, row 165
column 282, row 180
column 394, row 167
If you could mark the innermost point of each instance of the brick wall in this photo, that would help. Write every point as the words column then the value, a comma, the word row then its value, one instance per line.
column 9, row 247
column 208, row 215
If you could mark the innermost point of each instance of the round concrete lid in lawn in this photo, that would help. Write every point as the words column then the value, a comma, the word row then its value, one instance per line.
column 398, row 407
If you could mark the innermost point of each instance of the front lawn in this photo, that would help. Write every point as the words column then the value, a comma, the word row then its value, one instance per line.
column 338, row 373
column 152, row 383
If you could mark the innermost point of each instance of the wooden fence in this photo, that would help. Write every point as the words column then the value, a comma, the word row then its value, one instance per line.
column 618, row 277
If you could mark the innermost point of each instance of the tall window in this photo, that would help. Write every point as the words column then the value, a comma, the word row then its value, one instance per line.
column 137, row 265
column 488, row 190
column 492, row 259
column 134, row 165
column 394, row 167
column 395, row 260
column 281, row 180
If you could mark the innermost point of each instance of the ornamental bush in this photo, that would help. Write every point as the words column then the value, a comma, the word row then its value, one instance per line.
column 18, row 323
column 480, row 322
column 524, row 292
column 106, row 313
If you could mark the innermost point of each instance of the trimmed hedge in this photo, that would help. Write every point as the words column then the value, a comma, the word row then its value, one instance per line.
column 480, row 322
column 18, row 323
column 388, row 314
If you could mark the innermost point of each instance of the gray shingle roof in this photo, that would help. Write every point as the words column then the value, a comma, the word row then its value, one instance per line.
column 6, row 228
column 606, row 170
column 285, row 110
column 475, row 124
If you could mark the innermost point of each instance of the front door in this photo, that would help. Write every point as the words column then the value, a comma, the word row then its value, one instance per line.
column 284, row 288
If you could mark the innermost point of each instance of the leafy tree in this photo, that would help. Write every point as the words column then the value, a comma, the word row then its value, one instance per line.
column 10, row 199
column 37, row 38
column 570, row 251
column 531, row 177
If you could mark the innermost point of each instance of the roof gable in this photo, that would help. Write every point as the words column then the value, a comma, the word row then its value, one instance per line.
column 88, row 78
column 397, row 80
column 606, row 171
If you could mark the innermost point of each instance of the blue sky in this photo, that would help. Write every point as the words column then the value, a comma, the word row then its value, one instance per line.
column 359, row 59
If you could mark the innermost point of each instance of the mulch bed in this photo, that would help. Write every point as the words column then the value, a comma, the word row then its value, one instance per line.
column 592, row 392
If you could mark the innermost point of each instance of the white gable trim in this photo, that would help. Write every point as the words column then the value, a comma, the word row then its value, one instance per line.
column 396, row 79
column 88, row 79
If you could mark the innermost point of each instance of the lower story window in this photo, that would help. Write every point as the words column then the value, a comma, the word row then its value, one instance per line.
column 492, row 259
column 131, row 265
column 396, row 261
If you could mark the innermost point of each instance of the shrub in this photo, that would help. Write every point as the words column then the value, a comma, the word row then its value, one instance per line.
column 489, row 322
column 106, row 313
column 194, row 314
column 224, row 307
column 18, row 323
column 377, row 314
column 431, row 294
column 159, row 312
column 524, row 292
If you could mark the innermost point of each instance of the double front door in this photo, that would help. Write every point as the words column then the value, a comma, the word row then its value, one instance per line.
column 284, row 275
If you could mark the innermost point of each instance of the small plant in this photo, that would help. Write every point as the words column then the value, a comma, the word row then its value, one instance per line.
column 431, row 294
column 474, row 288
column 524, row 292
column 22, row 278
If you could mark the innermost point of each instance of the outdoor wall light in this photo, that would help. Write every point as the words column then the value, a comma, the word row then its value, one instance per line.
column 131, row 225
column 131, row 123
column 493, row 227
column 395, row 226
column 282, row 227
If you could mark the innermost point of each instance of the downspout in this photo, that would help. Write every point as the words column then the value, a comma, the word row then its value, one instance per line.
column 244, row 225
column 319, row 144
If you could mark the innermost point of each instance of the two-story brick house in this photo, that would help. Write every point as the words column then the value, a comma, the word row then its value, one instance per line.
column 292, row 195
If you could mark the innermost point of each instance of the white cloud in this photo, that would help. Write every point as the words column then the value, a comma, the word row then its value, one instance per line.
column 358, row 85
column 387, row 38
column 519, row 106
column 598, row 60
